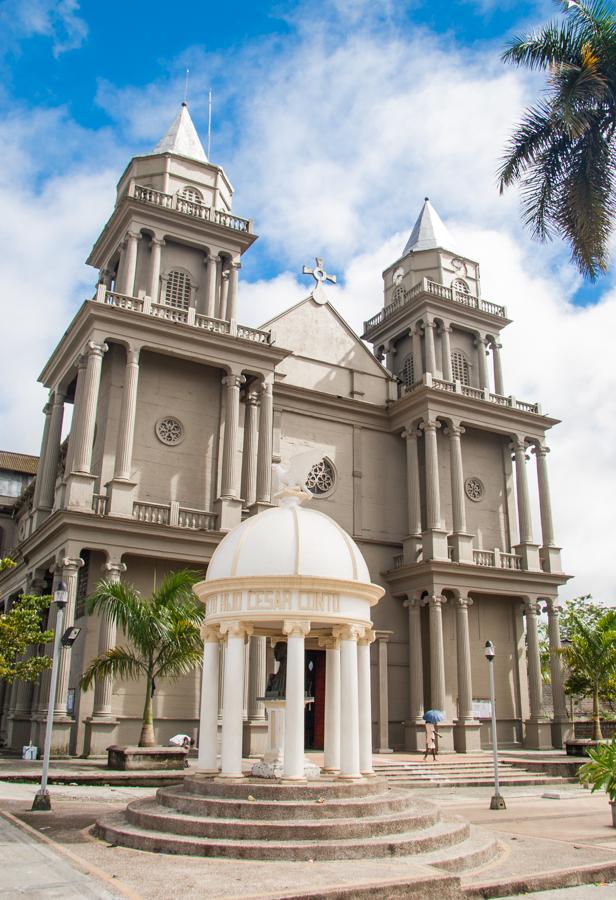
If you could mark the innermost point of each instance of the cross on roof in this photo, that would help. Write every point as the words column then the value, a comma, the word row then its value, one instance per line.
column 318, row 273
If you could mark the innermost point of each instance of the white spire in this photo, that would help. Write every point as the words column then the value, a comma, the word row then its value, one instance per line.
column 429, row 231
column 182, row 138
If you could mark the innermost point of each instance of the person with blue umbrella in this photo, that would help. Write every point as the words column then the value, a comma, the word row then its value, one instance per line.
column 431, row 719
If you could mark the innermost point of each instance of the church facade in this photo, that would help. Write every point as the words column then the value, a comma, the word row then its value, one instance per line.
column 179, row 412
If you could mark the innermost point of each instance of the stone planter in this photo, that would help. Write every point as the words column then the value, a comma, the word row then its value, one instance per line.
column 124, row 758
column 581, row 746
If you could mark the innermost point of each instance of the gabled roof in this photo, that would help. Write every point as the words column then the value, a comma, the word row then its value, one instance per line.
column 182, row 138
column 429, row 232
column 18, row 462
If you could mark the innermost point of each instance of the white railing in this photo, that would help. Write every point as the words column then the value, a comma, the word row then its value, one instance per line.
column 153, row 513
column 510, row 561
column 442, row 385
column 190, row 208
column 169, row 313
column 208, row 324
column 456, row 387
column 100, row 504
column 437, row 290
column 196, row 519
column 500, row 400
column 483, row 557
column 475, row 393
column 253, row 334
column 122, row 301
column 527, row 407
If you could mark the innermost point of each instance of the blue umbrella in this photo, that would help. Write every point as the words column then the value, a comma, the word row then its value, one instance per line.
column 434, row 716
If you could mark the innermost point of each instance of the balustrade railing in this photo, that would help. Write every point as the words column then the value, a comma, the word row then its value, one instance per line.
column 527, row 407
column 510, row 561
column 500, row 400
column 483, row 557
column 475, row 393
column 189, row 208
column 152, row 513
column 173, row 514
column 122, row 301
column 437, row 290
column 209, row 324
column 253, row 334
column 170, row 313
column 100, row 504
column 441, row 385
column 196, row 519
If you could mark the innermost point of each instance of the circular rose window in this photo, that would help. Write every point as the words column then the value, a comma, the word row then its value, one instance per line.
column 321, row 478
column 474, row 489
column 169, row 430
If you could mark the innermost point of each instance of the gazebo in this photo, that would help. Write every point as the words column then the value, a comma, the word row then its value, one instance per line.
column 290, row 573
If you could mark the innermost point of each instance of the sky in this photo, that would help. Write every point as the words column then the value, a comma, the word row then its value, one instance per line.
column 332, row 121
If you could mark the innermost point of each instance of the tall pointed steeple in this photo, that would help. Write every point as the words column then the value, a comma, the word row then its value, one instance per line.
column 429, row 232
column 182, row 138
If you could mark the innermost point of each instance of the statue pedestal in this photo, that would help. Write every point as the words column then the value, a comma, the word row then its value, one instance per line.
column 272, row 764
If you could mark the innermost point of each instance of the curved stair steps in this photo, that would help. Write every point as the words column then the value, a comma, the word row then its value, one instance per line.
column 324, row 820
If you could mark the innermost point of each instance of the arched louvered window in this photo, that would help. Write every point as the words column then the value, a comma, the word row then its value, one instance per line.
column 460, row 368
column 407, row 373
column 461, row 286
column 191, row 194
column 177, row 290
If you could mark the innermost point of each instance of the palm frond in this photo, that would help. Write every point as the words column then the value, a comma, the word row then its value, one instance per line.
column 118, row 662
column 555, row 43
column 176, row 589
column 531, row 137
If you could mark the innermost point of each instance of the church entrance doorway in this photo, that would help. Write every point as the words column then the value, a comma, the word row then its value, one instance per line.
column 314, row 721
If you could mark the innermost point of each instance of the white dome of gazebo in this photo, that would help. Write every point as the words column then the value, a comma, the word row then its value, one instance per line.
column 290, row 573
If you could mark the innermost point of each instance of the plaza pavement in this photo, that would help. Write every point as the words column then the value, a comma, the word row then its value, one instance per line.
column 547, row 843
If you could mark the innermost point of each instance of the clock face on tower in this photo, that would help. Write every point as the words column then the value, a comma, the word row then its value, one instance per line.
column 459, row 265
column 398, row 275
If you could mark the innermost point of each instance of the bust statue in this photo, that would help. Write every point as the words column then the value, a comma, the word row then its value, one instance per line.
column 277, row 682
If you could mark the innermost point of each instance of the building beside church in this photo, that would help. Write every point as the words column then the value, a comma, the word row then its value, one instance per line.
column 179, row 412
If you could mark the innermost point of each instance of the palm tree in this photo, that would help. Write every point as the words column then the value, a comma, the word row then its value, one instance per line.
column 564, row 149
column 590, row 656
column 163, row 631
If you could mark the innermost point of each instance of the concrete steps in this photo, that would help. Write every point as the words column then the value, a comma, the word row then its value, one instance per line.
column 326, row 820
column 459, row 772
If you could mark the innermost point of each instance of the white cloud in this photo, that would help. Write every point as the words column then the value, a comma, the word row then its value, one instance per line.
column 58, row 20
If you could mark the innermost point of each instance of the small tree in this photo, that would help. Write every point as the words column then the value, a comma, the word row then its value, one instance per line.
column 20, row 628
column 163, row 630
column 590, row 657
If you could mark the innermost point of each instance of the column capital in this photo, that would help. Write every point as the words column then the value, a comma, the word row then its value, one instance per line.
column 540, row 450
column 553, row 606
column 369, row 637
column 429, row 323
column 296, row 627
column 463, row 602
column 410, row 433
column 160, row 242
column 236, row 264
column 210, row 634
column 225, row 274
column 58, row 397
column 531, row 607
column 133, row 235
column 430, row 425
column 348, row 632
column 81, row 361
column 495, row 345
column 445, row 327
column 94, row 349
column 329, row 643
column 266, row 384
column 454, row 429
column 435, row 601
column 479, row 339
column 252, row 398
column 236, row 629
column 70, row 565
column 233, row 380
column 412, row 603
column 114, row 567
column 132, row 356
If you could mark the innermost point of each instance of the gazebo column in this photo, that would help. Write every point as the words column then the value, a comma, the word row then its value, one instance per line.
column 331, row 743
column 296, row 632
column 233, row 697
column 208, row 723
column 365, row 701
column 255, row 726
column 349, row 689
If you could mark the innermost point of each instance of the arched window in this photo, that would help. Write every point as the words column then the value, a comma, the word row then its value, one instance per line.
column 460, row 367
column 407, row 372
column 461, row 286
column 191, row 194
column 177, row 290
column 398, row 295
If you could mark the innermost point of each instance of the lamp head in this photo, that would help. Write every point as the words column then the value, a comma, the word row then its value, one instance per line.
column 60, row 595
column 489, row 651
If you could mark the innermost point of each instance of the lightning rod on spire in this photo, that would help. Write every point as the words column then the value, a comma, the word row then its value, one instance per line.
column 209, row 126
column 186, row 86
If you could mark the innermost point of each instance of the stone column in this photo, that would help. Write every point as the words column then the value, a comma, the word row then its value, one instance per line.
column 129, row 263
column 106, row 640
column 527, row 548
column 264, row 460
column 467, row 729
column 349, row 689
column 430, row 354
column 230, row 488
column 416, row 696
column 331, row 743
column 87, row 416
column 482, row 360
column 257, row 677
column 81, row 363
column 433, row 497
column 249, row 456
column 498, row 368
column 413, row 541
column 383, row 671
column 126, row 426
column 43, row 453
column 365, row 702
column 69, row 574
column 437, row 653
column 545, row 504
column 417, row 360
column 462, row 541
column 224, row 291
column 535, row 686
column 208, row 721
column 446, row 353
column 212, row 284
column 296, row 631
column 233, row 698
column 561, row 728
column 48, row 467
column 233, row 288
column 156, row 247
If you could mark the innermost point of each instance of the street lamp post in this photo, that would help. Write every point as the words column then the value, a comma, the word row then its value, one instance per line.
column 42, row 800
column 497, row 801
